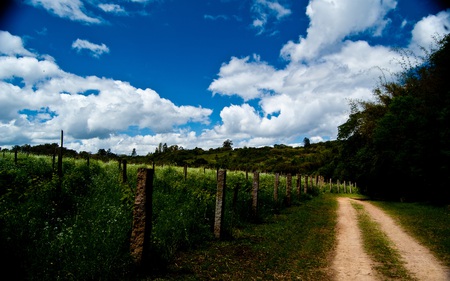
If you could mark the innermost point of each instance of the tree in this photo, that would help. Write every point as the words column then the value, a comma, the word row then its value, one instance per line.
column 227, row 145
column 306, row 142
column 404, row 134
column 133, row 153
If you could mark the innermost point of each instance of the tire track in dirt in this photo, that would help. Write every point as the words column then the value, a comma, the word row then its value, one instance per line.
column 418, row 259
column 350, row 262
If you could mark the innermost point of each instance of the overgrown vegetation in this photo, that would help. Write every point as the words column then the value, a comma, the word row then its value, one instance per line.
column 79, row 227
column 296, row 244
column 398, row 146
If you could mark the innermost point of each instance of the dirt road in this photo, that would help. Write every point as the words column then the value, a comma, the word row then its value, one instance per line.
column 352, row 263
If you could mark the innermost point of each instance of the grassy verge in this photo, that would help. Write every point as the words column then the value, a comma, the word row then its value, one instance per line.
column 427, row 223
column 296, row 244
column 378, row 246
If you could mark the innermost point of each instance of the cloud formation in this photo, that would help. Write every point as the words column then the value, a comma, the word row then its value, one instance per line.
column 71, row 9
column 113, row 8
column 324, row 71
column 265, row 10
column 94, row 49
column 308, row 96
column 38, row 99
column 12, row 45
column 331, row 21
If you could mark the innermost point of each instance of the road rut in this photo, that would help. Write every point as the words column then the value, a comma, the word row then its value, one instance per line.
column 352, row 263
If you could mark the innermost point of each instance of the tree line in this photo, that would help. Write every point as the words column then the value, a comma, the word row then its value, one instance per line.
column 399, row 145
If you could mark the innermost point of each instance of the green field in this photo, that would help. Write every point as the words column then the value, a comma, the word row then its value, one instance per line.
column 78, row 227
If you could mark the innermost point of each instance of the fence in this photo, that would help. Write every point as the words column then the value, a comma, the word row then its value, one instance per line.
column 141, row 231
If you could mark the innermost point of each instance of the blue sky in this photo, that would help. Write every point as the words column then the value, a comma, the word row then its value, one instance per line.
column 133, row 73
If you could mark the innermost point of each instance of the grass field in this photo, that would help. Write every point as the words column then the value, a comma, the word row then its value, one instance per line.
column 78, row 228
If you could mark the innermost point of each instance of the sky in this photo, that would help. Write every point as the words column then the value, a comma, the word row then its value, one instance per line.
column 130, row 74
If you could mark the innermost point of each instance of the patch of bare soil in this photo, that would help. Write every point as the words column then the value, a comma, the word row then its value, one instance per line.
column 418, row 259
column 351, row 262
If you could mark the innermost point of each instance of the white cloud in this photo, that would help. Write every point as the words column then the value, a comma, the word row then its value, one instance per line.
column 71, row 9
column 112, row 8
column 247, row 78
column 310, row 96
column 429, row 27
column 95, row 49
column 86, row 108
column 12, row 45
column 265, row 10
column 331, row 21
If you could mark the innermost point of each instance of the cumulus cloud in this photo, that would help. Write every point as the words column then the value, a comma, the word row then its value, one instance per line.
column 71, row 9
column 95, row 49
column 429, row 27
column 11, row 45
column 310, row 96
column 37, row 99
column 331, row 21
column 246, row 77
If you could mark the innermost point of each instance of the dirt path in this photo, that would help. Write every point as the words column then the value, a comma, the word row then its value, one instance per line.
column 351, row 262
column 418, row 260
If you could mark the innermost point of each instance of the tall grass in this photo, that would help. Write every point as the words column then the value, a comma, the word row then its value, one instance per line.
column 82, row 229
column 80, row 232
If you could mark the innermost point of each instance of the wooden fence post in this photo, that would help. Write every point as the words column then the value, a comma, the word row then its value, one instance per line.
column 124, row 172
column 275, row 188
column 350, row 186
column 338, row 186
column 142, row 218
column 299, row 185
column 60, row 156
column 220, row 203
column 255, row 194
column 305, row 189
column 235, row 196
column 185, row 172
column 331, row 185
column 288, row 189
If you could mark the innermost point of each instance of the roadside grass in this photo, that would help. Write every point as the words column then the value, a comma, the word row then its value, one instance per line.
column 379, row 247
column 298, row 243
column 429, row 224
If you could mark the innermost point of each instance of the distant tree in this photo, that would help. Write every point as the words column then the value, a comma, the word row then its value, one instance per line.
column 306, row 142
column 134, row 153
column 101, row 152
column 227, row 145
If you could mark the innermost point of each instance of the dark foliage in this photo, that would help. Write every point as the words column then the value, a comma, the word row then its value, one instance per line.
column 399, row 146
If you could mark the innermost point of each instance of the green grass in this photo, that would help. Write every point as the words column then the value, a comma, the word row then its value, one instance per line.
column 379, row 247
column 427, row 223
column 298, row 243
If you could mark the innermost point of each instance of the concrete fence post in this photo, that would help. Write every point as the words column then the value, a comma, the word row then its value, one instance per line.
column 142, row 218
